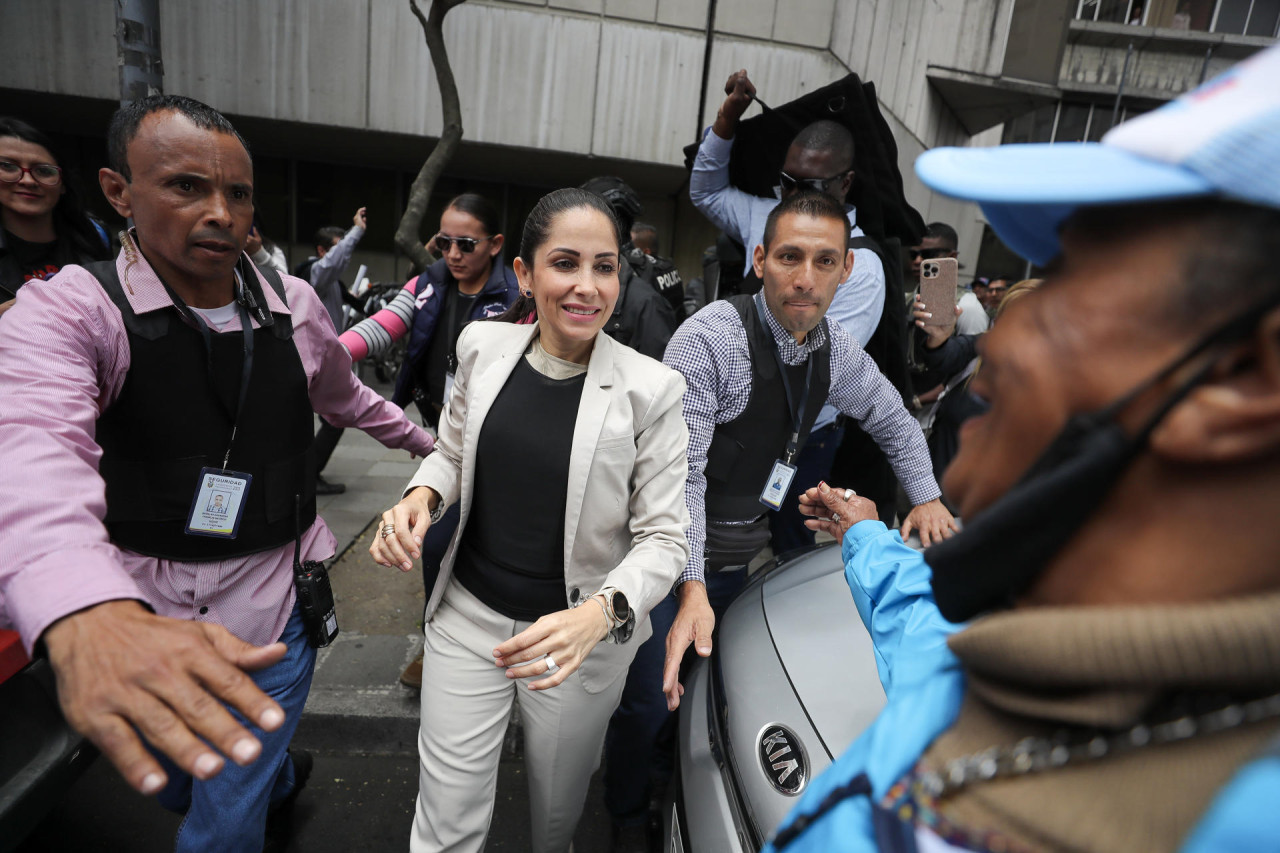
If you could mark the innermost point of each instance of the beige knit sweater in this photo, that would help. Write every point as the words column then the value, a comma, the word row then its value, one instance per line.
column 1032, row 672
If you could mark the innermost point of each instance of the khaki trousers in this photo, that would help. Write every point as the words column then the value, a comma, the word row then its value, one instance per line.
column 466, row 703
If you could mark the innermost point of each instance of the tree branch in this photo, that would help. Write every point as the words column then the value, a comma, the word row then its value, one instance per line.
column 409, row 233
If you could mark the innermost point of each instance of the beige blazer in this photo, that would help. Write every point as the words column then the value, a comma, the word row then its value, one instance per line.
column 625, row 518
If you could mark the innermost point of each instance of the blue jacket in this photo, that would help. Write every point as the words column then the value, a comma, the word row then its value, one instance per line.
column 924, row 684
column 495, row 297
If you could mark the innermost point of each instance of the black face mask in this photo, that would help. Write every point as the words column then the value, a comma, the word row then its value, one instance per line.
column 1003, row 549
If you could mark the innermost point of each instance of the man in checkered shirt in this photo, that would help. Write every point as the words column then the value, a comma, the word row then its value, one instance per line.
column 758, row 369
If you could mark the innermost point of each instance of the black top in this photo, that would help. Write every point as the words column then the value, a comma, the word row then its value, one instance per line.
column 511, row 555
column 25, row 261
column 455, row 311
column 743, row 451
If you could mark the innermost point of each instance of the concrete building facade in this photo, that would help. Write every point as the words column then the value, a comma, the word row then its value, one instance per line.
column 340, row 104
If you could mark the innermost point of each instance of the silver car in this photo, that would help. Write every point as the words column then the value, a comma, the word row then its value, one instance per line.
column 790, row 683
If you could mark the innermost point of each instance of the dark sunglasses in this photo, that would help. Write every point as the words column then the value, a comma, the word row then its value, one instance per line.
column 928, row 254
column 466, row 245
column 790, row 184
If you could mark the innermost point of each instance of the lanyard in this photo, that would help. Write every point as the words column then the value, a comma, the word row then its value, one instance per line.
column 796, row 411
column 246, row 369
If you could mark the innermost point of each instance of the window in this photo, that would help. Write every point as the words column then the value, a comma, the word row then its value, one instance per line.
column 1182, row 14
column 1247, row 17
column 1036, row 126
column 1065, row 122
column 1073, row 123
column 1112, row 11
column 1264, row 19
column 1100, row 122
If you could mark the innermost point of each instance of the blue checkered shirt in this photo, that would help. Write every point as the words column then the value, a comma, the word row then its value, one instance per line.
column 710, row 350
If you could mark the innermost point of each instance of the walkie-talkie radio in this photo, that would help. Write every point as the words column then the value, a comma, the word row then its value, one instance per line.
column 315, row 595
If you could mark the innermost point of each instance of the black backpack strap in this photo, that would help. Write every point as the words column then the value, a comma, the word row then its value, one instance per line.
column 282, row 324
column 277, row 284
column 864, row 242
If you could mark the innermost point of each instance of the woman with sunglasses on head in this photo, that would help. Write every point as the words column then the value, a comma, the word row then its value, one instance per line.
column 566, row 452
column 44, row 224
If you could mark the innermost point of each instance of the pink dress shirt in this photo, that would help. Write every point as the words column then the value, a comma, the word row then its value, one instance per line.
column 64, row 354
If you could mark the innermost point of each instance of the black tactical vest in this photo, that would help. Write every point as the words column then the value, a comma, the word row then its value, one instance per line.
column 171, row 420
column 743, row 450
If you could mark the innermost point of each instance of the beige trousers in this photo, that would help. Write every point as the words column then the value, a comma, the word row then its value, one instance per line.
column 466, row 703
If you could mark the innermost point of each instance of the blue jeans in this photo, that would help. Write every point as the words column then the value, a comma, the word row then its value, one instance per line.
column 637, row 756
column 813, row 464
column 229, row 812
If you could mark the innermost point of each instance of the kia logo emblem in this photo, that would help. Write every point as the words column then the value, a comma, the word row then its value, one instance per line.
column 783, row 759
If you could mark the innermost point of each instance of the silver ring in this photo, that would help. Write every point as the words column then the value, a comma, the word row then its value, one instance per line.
column 388, row 530
column 835, row 516
column 551, row 664
column 850, row 493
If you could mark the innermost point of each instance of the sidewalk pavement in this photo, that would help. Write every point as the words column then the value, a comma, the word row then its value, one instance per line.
column 357, row 701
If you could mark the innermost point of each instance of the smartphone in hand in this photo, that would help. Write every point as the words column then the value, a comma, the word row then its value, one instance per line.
column 938, row 291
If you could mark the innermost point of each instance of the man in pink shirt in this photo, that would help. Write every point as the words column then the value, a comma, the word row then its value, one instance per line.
column 134, row 392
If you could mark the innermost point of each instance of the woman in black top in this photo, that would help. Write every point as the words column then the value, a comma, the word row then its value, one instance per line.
column 44, row 224
column 566, row 453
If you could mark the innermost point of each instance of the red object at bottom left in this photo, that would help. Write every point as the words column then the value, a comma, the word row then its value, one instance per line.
column 12, row 656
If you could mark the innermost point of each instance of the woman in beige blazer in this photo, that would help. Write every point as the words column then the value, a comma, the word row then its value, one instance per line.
column 566, row 452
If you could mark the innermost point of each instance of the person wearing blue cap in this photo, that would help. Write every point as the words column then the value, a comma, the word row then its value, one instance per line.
column 1093, row 663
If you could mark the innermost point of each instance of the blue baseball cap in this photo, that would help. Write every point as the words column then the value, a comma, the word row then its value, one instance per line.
column 1222, row 140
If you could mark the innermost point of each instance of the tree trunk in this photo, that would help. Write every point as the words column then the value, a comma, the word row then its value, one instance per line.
column 409, row 234
column 138, row 49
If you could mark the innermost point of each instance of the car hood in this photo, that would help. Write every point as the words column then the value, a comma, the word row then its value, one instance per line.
column 823, row 647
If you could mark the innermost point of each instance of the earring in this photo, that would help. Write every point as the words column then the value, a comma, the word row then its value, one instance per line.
column 526, row 293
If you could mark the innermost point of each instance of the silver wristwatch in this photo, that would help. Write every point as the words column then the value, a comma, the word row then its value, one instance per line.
column 616, row 606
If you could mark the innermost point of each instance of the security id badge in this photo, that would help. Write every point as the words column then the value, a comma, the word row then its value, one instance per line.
column 219, row 503
column 775, row 488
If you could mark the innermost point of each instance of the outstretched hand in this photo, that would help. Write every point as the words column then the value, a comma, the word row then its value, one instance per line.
column 932, row 521
column 834, row 511
column 408, row 521
column 122, row 671
column 694, row 622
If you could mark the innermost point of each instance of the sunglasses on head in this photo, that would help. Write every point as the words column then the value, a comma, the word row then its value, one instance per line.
column 466, row 245
column 790, row 184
